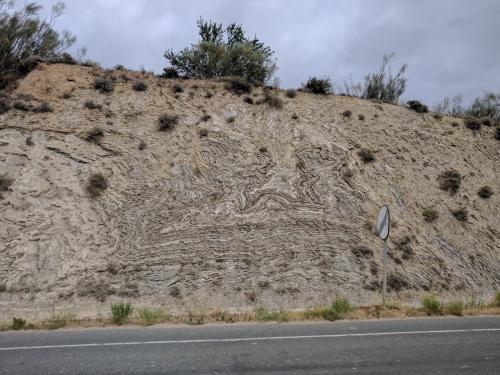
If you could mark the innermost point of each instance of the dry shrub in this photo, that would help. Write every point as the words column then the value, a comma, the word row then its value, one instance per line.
column 96, row 184
column 450, row 181
column 417, row 106
column 139, row 86
column 366, row 155
column 167, row 122
column 94, row 135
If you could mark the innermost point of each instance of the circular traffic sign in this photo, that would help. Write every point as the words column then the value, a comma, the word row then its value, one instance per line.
column 383, row 222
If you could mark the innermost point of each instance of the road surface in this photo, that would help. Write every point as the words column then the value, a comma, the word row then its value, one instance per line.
column 468, row 345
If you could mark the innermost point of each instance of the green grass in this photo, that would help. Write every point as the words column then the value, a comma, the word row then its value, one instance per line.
column 59, row 320
column 431, row 305
column 263, row 314
column 121, row 312
column 18, row 323
column 150, row 316
column 338, row 309
column 497, row 299
column 455, row 308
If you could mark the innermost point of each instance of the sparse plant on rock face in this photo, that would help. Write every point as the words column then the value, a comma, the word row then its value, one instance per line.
column 177, row 88
column 461, row 214
column 485, row 192
column 450, row 181
column 347, row 113
column 96, row 184
column 140, row 86
column 95, row 135
column 4, row 105
column 21, row 105
column 383, row 85
column 272, row 99
column 44, row 107
column 338, row 310
column 366, row 155
column 430, row 215
column 5, row 182
column 18, row 323
column 103, row 84
column 90, row 104
column 237, row 85
column 167, row 122
column 472, row 123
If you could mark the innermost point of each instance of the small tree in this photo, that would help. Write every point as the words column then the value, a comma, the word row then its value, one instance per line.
column 25, row 39
column 486, row 106
column 224, row 52
column 450, row 107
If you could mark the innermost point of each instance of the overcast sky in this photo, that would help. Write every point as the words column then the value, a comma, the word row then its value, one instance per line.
column 451, row 46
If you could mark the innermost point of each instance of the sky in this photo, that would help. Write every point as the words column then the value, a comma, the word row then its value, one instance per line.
column 451, row 46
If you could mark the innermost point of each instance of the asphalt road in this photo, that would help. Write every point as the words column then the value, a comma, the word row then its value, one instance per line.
column 414, row 346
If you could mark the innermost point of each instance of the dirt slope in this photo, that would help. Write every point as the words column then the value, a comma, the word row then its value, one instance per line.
column 275, row 208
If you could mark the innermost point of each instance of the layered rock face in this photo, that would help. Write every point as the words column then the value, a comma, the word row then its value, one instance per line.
column 239, row 205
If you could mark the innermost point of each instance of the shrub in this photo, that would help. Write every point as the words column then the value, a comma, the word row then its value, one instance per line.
column 295, row 116
column 209, row 94
column 139, row 86
column 177, row 88
column 103, row 84
column 472, row 123
column 404, row 245
column 383, row 85
column 238, row 85
column 290, row 93
column 4, row 105
column 150, row 316
column 430, row 214
column 362, row 252
column 461, row 214
column 487, row 121
column 361, row 117
column 26, row 39
column 141, row 146
column 451, row 107
column 119, row 67
column 21, row 105
column 450, row 181
column 167, row 122
column 485, row 192
column 170, row 73
column 263, row 314
column 203, row 133
column 5, row 182
column 318, row 85
column 96, row 184
column 497, row 133
column 272, row 99
column 431, row 305
column 486, row 106
column 248, row 99
column 417, row 106
column 455, row 308
column 224, row 52
column 44, row 107
column 90, row 104
column 94, row 135
column 347, row 113
column 496, row 301
column 18, row 323
column 338, row 310
column 366, row 155
column 29, row 141
column 205, row 117
column 121, row 312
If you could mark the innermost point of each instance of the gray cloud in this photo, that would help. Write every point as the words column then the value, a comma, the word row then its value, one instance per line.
column 450, row 46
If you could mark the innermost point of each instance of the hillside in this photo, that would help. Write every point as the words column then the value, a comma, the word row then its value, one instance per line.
column 239, row 205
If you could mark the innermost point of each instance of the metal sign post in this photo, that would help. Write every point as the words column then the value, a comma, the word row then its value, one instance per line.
column 383, row 226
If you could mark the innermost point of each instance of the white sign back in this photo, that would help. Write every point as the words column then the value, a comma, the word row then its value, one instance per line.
column 383, row 222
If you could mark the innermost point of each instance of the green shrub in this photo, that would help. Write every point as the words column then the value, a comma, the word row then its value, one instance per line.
column 497, row 299
column 177, row 88
column 170, row 73
column 366, row 155
column 21, row 105
column 18, row 323
column 383, row 85
column 338, row 310
column 417, row 106
column 430, row 214
column 237, row 85
column 5, row 182
column 224, row 52
column 290, row 93
column 485, row 192
column 139, row 86
column 450, row 181
column 167, row 122
column 121, row 312
column 150, row 316
column 461, row 214
column 454, row 308
column 316, row 85
column 472, row 123
column 96, row 184
column 103, row 84
column 94, row 135
column 44, row 107
column 27, row 40
column 431, row 305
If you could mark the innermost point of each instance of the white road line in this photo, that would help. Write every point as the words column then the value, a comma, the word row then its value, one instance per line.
column 242, row 339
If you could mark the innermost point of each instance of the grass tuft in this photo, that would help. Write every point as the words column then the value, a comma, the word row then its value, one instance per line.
column 339, row 309
column 431, row 305
column 121, row 312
